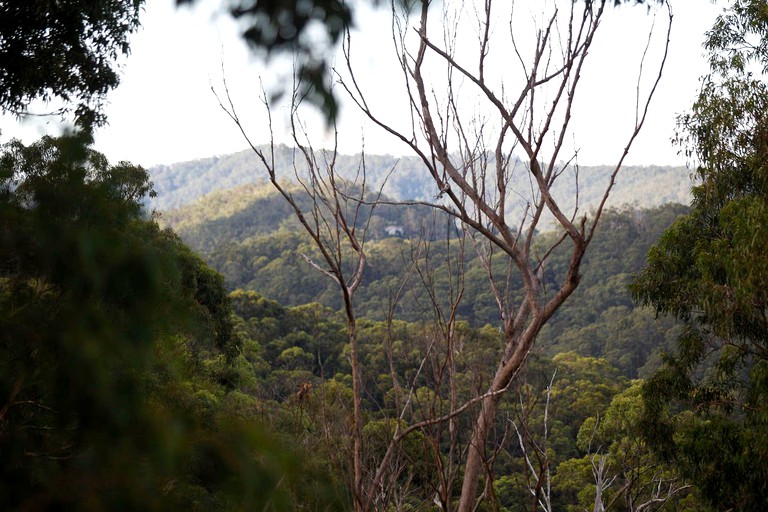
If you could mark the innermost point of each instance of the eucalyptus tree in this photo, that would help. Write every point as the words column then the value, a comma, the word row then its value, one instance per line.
column 332, row 211
column 494, row 170
column 495, row 166
column 706, row 408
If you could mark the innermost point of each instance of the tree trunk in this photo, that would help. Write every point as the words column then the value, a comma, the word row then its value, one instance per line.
column 517, row 348
column 476, row 452
column 361, row 501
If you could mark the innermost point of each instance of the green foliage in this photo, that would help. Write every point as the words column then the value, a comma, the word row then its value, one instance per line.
column 63, row 50
column 706, row 407
column 585, row 386
column 613, row 451
column 312, row 408
column 582, row 387
column 118, row 359
column 262, row 252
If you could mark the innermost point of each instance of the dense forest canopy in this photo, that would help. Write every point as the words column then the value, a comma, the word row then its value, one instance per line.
column 380, row 335
column 250, row 236
column 119, row 356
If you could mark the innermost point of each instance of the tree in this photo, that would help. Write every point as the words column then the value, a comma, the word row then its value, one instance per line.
column 336, row 214
column 336, row 220
column 706, row 408
column 63, row 51
column 501, row 199
column 618, row 467
column 118, row 360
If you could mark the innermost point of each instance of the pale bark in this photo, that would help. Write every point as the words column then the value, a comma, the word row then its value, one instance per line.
column 474, row 174
column 476, row 189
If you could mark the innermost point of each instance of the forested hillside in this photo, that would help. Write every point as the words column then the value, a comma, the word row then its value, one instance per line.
column 302, row 379
column 575, row 397
column 251, row 236
column 403, row 178
column 476, row 328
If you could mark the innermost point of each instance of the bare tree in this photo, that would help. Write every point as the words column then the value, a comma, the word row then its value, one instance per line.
column 336, row 221
column 472, row 155
column 336, row 218
column 445, row 440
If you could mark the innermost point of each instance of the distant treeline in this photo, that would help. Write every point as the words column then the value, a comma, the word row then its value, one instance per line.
column 403, row 178
column 250, row 235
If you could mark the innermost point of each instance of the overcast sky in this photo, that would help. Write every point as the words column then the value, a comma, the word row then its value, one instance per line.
column 164, row 111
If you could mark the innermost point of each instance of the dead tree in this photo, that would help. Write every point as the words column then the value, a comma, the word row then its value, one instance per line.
column 495, row 167
column 336, row 220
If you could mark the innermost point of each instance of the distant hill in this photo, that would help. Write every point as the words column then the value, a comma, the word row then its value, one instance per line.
column 244, row 229
column 251, row 236
column 182, row 183
column 403, row 177
column 240, row 214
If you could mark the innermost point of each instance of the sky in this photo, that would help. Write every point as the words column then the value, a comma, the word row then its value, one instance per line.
column 165, row 112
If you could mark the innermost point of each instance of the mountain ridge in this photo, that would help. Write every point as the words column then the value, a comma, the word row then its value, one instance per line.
column 404, row 178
